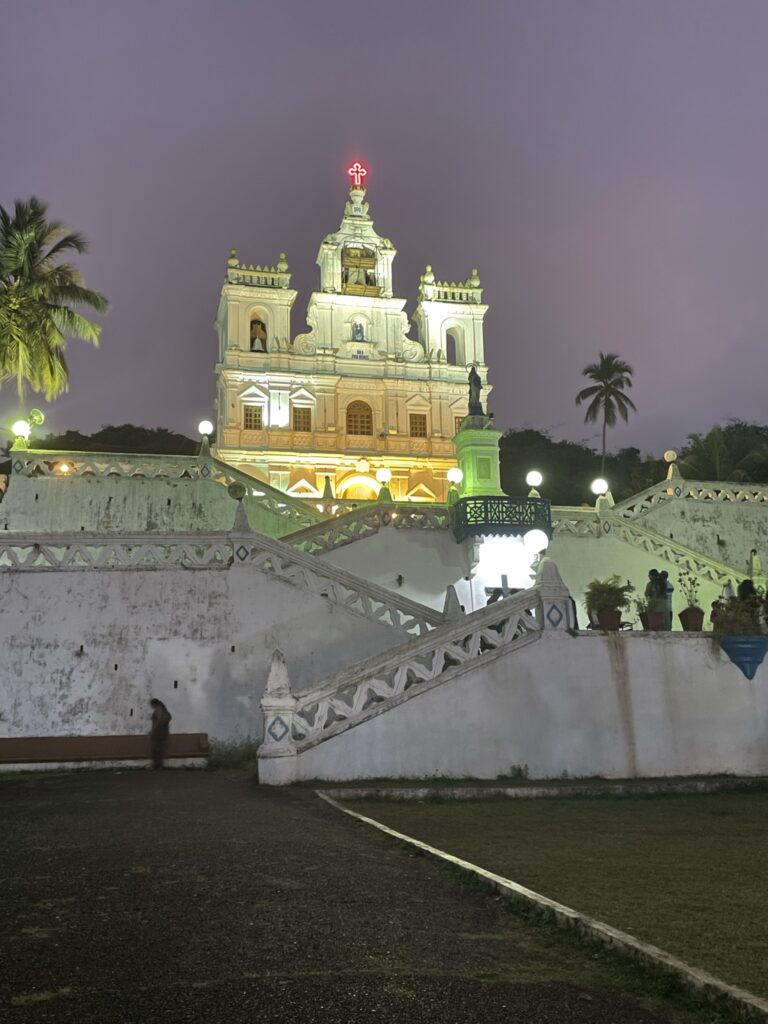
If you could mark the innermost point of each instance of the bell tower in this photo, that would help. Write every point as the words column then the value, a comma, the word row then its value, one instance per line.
column 449, row 319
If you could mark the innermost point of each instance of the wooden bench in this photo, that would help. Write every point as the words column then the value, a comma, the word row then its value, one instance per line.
column 185, row 749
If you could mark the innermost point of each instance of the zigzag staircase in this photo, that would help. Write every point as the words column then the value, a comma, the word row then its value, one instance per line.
column 295, row 723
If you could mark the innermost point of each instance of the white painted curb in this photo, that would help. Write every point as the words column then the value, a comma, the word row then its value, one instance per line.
column 744, row 1004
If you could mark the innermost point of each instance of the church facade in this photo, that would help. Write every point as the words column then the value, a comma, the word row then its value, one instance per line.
column 354, row 401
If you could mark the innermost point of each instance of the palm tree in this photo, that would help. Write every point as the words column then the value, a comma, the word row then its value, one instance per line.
column 611, row 376
column 38, row 293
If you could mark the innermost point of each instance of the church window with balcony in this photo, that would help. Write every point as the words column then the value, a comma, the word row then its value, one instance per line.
column 253, row 417
column 302, row 419
column 359, row 419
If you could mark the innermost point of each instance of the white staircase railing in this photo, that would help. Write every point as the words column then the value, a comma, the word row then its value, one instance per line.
column 282, row 561
column 610, row 523
column 89, row 552
column 294, row 723
column 41, row 552
column 66, row 465
column 679, row 489
column 671, row 551
column 366, row 521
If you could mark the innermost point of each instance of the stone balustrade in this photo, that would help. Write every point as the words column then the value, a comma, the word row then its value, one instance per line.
column 367, row 520
column 294, row 723
column 68, row 465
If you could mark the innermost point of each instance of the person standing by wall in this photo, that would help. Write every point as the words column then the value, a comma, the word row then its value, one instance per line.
column 158, row 734
column 666, row 594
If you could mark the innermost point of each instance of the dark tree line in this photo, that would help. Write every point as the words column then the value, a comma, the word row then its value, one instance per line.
column 735, row 451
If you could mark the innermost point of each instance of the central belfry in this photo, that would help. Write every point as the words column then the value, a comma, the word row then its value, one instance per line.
column 354, row 394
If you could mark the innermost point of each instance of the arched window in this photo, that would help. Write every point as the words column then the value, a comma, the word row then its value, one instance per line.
column 359, row 418
column 258, row 334
column 454, row 346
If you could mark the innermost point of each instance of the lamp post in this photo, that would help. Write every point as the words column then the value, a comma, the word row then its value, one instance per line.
column 205, row 427
column 534, row 479
column 455, row 476
column 21, row 430
column 384, row 475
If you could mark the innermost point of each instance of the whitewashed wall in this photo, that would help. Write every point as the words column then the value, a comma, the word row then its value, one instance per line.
column 725, row 531
column 212, row 631
column 617, row 705
column 429, row 561
column 422, row 564
column 126, row 504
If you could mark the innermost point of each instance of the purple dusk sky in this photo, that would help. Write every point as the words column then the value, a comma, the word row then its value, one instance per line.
column 603, row 164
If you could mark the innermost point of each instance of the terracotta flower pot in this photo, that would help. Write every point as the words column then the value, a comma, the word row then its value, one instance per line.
column 609, row 618
column 692, row 619
column 656, row 620
column 644, row 620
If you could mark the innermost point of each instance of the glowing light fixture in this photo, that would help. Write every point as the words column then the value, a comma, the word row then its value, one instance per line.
column 599, row 486
column 21, row 428
column 205, row 427
column 64, row 467
column 455, row 475
column 536, row 540
column 357, row 172
column 383, row 475
column 534, row 478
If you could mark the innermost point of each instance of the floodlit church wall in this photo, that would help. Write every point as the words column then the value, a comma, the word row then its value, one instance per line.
column 81, row 650
column 617, row 706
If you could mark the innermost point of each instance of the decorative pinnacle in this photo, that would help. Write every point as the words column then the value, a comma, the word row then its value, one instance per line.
column 282, row 263
column 233, row 261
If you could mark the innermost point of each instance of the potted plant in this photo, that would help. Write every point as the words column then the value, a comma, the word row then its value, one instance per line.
column 692, row 616
column 606, row 599
column 740, row 628
column 641, row 607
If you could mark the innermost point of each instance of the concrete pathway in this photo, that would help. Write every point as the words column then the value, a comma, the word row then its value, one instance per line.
column 192, row 896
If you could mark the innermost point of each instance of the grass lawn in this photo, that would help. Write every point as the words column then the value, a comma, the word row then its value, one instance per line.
column 686, row 873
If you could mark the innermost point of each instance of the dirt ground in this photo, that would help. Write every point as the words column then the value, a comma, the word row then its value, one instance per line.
column 686, row 873
column 182, row 897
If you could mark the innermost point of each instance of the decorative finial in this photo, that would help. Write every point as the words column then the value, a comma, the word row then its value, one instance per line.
column 282, row 264
column 233, row 261
column 474, row 278
column 428, row 277
column 357, row 172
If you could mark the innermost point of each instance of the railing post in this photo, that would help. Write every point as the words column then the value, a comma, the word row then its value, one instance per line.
column 277, row 753
column 558, row 609
column 452, row 609
column 241, row 535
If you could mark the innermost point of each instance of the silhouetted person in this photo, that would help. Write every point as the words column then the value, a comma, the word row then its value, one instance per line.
column 158, row 734
column 745, row 590
column 666, row 594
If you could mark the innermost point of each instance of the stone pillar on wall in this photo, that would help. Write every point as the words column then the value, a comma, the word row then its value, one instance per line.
column 558, row 609
column 277, row 753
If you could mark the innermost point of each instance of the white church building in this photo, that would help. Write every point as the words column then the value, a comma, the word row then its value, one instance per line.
column 342, row 577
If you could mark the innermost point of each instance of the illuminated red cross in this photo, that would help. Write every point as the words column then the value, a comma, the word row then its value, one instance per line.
column 358, row 172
